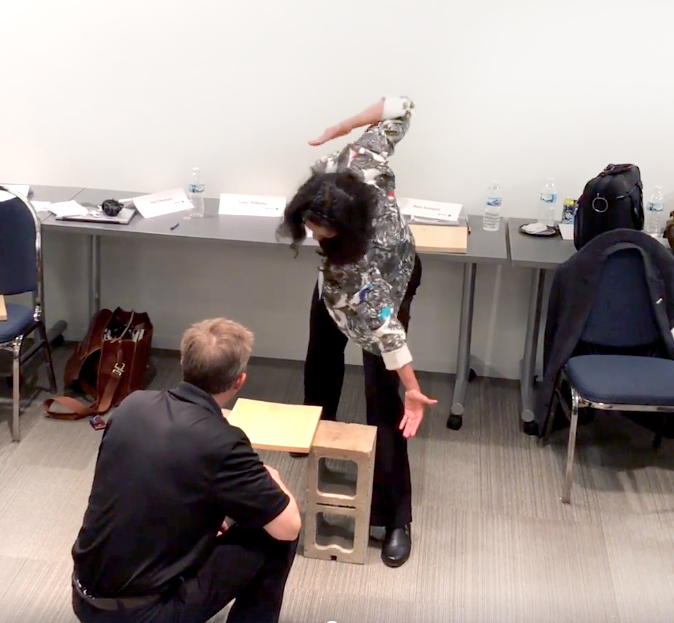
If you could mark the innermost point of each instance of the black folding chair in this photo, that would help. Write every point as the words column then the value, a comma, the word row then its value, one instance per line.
column 622, row 318
column 21, row 272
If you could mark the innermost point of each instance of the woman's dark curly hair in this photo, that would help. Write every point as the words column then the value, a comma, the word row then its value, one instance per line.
column 340, row 202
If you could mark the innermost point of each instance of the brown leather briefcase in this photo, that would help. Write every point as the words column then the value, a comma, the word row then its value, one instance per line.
column 109, row 364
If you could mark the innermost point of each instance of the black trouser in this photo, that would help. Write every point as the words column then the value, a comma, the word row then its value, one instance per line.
column 246, row 565
column 323, row 379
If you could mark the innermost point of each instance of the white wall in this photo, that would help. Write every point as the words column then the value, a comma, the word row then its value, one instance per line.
column 131, row 95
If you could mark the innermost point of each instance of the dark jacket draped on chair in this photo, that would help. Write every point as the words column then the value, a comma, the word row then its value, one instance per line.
column 572, row 296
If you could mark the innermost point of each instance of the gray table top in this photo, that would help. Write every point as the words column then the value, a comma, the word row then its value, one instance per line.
column 214, row 226
column 536, row 251
column 483, row 246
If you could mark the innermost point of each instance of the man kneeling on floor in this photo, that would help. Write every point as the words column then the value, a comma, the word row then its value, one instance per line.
column 154, row 545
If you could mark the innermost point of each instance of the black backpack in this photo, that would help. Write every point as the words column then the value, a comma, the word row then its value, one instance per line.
column 612, row 200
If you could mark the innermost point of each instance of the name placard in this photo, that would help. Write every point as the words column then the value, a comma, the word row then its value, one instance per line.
column 251, row 205
column 166, row 202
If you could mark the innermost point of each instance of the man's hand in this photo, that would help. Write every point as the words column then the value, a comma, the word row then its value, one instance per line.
column 415, row 403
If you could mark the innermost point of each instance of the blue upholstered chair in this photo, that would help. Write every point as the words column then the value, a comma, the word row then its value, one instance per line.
column 622, row 318
column 21, row 272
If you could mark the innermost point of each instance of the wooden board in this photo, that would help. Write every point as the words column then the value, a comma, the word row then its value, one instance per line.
column 440, row 238
column 274, row 426
column 3, row 308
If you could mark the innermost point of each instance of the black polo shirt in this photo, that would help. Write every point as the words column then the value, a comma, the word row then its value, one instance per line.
column 170, row 469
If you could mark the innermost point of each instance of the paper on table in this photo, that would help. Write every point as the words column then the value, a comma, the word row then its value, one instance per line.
column 41, row 206
column 566, row 229
column 274, row 426
column 430, row 211
column 166, row 202
column 67, row 208
column 3, row 308
column 251, row 205
column 22, row 189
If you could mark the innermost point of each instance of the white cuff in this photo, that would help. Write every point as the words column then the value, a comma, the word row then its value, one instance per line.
column 395, row 107
column 398, row 358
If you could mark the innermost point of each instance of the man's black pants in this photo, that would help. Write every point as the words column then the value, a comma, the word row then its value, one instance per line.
column 323, row 380
column 246, row 565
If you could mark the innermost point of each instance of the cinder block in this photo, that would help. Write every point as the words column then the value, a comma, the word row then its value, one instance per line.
column 336, row 533
column 329, row 493
column 344, row 442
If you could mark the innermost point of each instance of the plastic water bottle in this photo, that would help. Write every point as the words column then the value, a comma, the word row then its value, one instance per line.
column 656, row 206
column 547, row 206
column 196, row 190
column 492, row 208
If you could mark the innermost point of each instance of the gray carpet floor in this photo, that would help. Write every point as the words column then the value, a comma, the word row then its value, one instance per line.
column 491, row 540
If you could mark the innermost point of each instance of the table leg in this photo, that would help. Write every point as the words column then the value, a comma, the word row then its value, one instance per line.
column 94, row 264
column 531, row 345
column 94, row 274
column 463, row 355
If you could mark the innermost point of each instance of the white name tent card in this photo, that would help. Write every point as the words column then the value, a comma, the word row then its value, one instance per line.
column 166, row 202
column 22, row 189
column 566, row 229
column 421, row 211
column 251, row 205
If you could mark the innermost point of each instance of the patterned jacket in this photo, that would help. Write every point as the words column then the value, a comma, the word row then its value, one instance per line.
column 363, row 298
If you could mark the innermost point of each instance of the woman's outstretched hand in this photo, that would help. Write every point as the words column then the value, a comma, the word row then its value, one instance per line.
column 333, row 132
column 370, row 115
column 415, row 403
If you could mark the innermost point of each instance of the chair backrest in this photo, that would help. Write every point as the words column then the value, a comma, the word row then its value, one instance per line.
column 19, row 248
column 622, row 314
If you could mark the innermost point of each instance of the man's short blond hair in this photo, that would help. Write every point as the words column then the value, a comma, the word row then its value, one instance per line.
column 214, row 352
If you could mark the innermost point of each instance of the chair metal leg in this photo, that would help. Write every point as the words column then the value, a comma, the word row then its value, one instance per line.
column 552, row 409
column 16, row 393
column 571, row 447
column 528, row 367
column 550, row 417
column 657, row 440
column 42, row 330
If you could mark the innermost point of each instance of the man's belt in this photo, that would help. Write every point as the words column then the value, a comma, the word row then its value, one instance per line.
column 114, row 603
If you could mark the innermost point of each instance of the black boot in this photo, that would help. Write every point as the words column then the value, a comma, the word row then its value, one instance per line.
column 397, row 546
